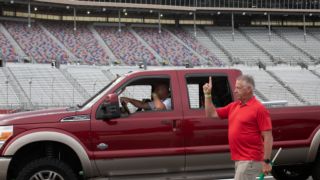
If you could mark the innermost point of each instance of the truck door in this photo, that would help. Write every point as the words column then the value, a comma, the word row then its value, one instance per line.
column 144, row 141
column 206, row 139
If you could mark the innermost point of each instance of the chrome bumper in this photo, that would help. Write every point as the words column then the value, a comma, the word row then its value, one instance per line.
column 4, row 166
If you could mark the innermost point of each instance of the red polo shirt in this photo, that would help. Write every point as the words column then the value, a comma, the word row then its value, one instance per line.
column 246, row 121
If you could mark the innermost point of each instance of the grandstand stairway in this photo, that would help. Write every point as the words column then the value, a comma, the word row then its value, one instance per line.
column 75, row 84
column 315, row 73
column 260, row 95
column 256, row 44
column 313, row 35
column 24, row 99
column 108, row 74
column 102, row 43
column 181, row 42
column 70, row 54
column 214, row 41
column 204, row 40
column 242, row 50
column 291, row 90
column 276, row 32
column 145, row 44
column 13, row 42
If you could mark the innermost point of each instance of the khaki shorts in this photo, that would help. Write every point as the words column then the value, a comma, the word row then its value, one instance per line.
column 247, row 170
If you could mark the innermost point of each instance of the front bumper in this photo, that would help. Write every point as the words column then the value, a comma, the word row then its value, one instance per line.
column 4, row 166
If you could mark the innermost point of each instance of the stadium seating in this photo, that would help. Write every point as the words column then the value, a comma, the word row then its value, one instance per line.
column 125, row 46
column 315, row 32
column 91, row 79
column 295, row 36
column 7, row 98
column 192, row 42
column 120, row 70
column 251, row 44
column 268, row 86
column 277, row 47
column 305, row 83
column 7, row 51
column 80, row 42
column 35, row 43
column 240, row 48
column 48, row 86
column 168, row 48
column 204, row 40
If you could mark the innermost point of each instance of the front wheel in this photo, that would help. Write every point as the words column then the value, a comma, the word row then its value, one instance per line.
column 47, row 169
column 291, row 173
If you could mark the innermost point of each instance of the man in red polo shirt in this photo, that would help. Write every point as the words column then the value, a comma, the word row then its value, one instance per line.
column 250, row 129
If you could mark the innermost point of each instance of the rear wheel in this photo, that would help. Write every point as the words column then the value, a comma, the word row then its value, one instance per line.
column 47, row 169
column 291, row 173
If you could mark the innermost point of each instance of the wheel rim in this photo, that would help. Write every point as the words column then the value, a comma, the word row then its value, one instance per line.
column 290, row 173
column 46, row 175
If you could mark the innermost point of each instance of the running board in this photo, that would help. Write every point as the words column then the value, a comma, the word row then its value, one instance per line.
column 198, row 175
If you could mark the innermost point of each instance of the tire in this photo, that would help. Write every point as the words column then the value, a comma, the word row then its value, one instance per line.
column 316, row 169
column 45, row 168
column 291, row 173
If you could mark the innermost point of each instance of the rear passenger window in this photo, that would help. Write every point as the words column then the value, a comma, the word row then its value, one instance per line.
column 221, row 94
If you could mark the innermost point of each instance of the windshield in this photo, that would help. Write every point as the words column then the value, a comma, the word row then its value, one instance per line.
column 99, row 94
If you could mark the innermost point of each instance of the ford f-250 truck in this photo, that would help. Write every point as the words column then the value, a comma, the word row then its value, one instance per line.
column 102, row 138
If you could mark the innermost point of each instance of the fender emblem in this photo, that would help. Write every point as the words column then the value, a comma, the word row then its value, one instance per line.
column 102, row 146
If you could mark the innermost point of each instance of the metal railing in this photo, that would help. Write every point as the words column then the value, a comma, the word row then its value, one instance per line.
column 281, row 4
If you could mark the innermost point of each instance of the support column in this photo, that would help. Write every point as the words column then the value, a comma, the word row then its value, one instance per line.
column 232, row 24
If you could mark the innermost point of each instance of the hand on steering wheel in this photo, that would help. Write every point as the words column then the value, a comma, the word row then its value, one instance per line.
column 124, row 102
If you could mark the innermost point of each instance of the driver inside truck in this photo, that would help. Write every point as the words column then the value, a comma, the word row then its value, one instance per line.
column 161, row 99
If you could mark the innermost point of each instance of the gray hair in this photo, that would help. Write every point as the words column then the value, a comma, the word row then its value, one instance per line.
column 248, row 79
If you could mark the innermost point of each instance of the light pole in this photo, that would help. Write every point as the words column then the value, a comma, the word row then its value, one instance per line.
column 119, row 21
column 29, row 14
column 7, row 86
column 94, row 86
column 52, row 83
column 232, row 23
column 30, row 83
column 74, row 19
column 72, row 95
column 159, row 22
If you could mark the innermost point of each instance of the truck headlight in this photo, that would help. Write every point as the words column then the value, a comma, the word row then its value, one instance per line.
column 5, row 133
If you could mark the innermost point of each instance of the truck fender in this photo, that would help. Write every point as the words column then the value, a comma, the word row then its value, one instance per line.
column 314, row 147
column 26, row 139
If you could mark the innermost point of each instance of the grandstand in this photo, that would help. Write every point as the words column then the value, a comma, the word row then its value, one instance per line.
column 240, row 48
column 96, row 43
column 212, row 46
column 81, row 42
column 8, row 97
column 34, row 42
column 126, row 46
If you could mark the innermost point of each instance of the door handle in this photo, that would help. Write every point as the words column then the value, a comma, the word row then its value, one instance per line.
column 173, row 123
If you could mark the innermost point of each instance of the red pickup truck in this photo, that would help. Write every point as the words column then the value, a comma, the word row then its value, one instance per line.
column 100, row 138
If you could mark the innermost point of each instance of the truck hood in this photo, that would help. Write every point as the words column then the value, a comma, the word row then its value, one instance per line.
column 38, row 116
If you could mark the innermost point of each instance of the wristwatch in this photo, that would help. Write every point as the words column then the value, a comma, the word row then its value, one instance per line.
column 267, row 161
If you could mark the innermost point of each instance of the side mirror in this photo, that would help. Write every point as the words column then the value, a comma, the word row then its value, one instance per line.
column 109, row 109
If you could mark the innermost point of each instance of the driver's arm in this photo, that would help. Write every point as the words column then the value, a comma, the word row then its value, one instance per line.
column 136, row 103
